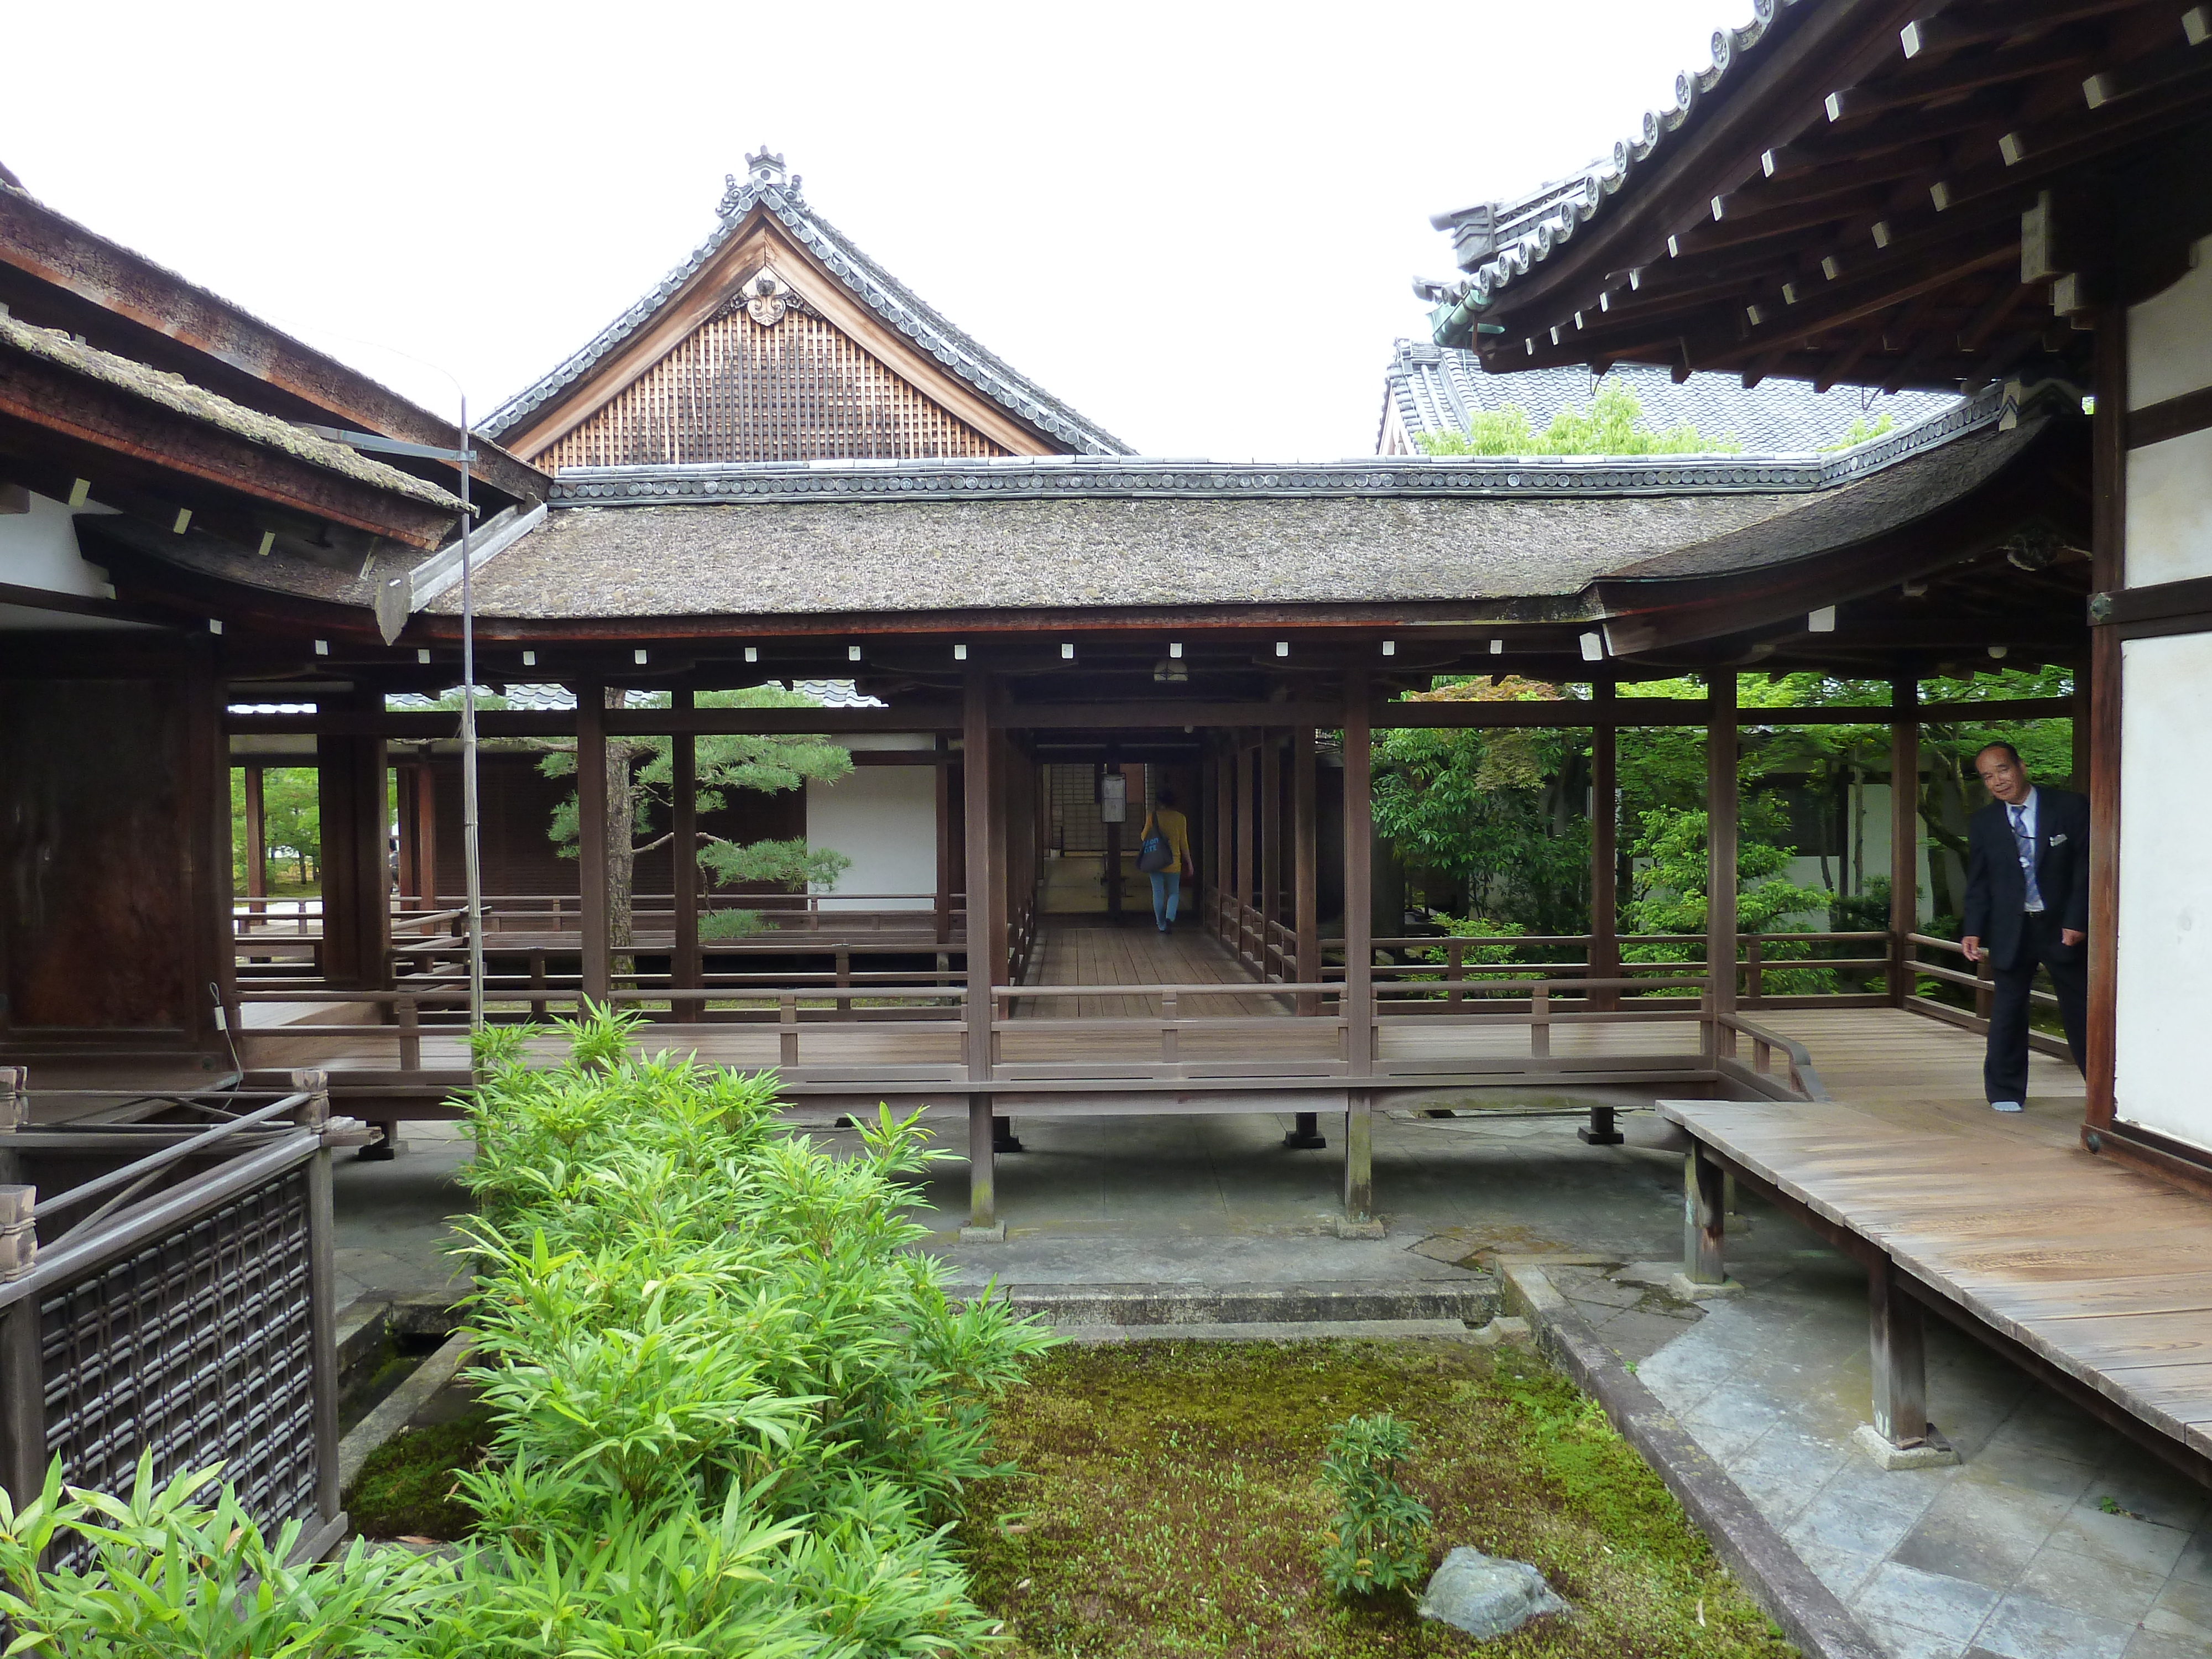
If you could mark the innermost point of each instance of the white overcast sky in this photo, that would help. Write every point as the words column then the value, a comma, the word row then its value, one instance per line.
column 1196, row 223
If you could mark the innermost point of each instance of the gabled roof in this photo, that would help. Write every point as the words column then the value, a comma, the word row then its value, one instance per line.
column 767, row 193
column 1431, row 390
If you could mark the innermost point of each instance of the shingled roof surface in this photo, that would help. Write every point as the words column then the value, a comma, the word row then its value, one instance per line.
column 767, row 186
column 1077, row 535
column 179, row 396
column 1435, row 390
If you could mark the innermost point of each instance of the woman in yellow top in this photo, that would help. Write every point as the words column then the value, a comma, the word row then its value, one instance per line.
column 1167, row 885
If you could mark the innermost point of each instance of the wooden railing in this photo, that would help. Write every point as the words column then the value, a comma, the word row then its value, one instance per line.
column 560, row 913
column 1979, row 982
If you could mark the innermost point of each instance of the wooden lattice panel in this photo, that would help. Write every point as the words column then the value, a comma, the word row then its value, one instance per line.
column 799, row 390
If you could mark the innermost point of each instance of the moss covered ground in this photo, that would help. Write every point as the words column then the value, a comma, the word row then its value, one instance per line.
column 1168, row 1503
column 406, row 1487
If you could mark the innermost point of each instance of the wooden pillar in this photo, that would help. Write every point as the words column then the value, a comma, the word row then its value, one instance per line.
column 426, row 835
column 1224, row 824
column 1110, row 862
column 685, row 968
column 1305, row 829
column 2107, row 574
column 591, row 836
column 946, row 874
column 1898, row 1355
column 1358, row 874
column 997, row 838
column 356, row 869
column 1904, row 830
column 1705, row 1218
column 1605, row 858
column 975, row 751
column 257, row 838
column 1270, row 901
column 1244, row 829
column 1720, row 846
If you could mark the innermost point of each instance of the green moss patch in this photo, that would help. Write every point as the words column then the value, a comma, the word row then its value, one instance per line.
column 1169, row 1504
column 409, row 1486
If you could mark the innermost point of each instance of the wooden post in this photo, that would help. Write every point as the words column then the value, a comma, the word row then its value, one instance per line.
column 1720, row 847
column 976, row 751
column 1705, row 1219
column 1270, row 847
column 2107, row 574
column 1359, row 1158
column 1897, row 1354
column 1605, row 858
column 257, row 841
column 591, row 837
column 1904, row 830
column 1000, row 896
column 356, row 870
column 1305, row 904
column 982, row 1166
column 1225, row 825
column 945, row 873
column 1244, row 827
column 1109, row 863
column 685, row 968
column 1358, row 875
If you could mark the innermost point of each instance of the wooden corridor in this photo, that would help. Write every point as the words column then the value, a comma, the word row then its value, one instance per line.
column 2091, row 1276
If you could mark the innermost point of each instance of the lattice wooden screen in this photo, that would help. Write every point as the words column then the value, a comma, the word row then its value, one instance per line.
column 801, row 391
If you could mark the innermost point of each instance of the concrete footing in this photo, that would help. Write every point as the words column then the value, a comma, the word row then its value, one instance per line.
column 993, row 1234
column 1683, row 1288
column 1934, row 1453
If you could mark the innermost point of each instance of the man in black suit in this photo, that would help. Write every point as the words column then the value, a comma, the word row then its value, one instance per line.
column 2027, row 903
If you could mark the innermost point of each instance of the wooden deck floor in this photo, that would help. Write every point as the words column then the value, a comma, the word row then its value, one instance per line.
column 2101, row 1274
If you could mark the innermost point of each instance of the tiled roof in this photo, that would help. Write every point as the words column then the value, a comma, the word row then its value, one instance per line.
column 1435, row 390
column 766, row 185
column 1497, row 242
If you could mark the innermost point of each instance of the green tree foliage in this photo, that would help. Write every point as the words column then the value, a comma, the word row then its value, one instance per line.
column 291, row 813
column 1860, row 431
column 1496, row 821
column 640, row 779
column 1612, row 423
column 1378, row 1539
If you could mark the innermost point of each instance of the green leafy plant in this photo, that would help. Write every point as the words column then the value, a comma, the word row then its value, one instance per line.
column 1378, row 1539
column 174, row 1574
column 1612, row 423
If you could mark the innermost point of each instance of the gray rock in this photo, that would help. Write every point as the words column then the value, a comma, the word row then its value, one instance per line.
column 1486, row 1597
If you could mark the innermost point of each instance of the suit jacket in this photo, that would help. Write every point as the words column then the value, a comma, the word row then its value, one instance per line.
column 1996, row 892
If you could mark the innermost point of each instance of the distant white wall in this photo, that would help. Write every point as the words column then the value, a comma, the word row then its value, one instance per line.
column 884, row 819
column 2165, row 957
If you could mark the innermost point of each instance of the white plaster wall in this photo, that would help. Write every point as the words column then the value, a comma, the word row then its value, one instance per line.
column 37, row 549
column 2165, row 959
column 2169, row 537
column 884, row 819
column 2170, row 337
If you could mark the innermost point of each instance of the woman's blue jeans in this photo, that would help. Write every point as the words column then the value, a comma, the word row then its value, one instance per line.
column 1167, row 887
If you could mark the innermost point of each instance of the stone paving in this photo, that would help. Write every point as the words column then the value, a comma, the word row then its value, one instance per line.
column 2055, row 1539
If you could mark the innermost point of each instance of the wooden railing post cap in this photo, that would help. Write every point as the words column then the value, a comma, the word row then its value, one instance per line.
column 15, row 1098
column 315, row 1084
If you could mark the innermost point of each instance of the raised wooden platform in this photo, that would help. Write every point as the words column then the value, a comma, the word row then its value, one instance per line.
column 2093, row 1276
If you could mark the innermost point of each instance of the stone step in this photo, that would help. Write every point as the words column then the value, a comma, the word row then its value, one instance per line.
column 1473, row 1300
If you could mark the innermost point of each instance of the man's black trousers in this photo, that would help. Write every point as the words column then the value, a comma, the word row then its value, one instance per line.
column 2004, row 1071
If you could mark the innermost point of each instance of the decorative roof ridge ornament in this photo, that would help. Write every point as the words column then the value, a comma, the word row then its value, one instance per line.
column 764, row 172
column 765, row 297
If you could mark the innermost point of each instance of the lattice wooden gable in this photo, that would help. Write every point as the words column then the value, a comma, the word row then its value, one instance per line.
column 764, row 355
column 774, row 381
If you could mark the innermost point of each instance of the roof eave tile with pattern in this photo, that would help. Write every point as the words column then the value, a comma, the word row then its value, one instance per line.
column 1546, row 218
